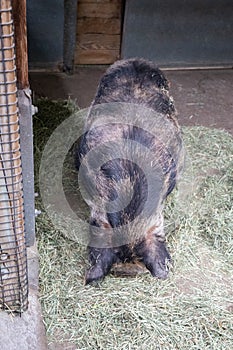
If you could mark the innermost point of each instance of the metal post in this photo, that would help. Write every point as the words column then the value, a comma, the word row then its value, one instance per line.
column 25, row 117
column 70, row 21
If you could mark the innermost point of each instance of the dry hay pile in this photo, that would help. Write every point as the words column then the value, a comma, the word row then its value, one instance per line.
column 193, row 309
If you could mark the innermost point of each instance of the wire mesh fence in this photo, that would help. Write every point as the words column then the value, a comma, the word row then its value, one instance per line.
column 13, row 260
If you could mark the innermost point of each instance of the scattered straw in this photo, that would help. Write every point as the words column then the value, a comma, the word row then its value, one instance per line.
column 193, row 309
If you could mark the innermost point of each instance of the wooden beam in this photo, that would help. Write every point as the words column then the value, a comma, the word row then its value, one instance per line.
column 20, row 25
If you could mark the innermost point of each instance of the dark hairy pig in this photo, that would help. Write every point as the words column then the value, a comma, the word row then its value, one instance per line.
column 129, row 158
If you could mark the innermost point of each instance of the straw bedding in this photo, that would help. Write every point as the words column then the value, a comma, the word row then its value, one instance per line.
column 193, row 308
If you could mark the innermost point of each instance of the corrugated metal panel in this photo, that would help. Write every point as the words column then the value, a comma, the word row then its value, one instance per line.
column 45, row 32
column 179, row 33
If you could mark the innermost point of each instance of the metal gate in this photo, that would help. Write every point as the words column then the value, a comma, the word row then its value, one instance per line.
column 13, row 260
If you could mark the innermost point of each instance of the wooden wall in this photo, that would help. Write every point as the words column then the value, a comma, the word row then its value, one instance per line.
column 98, row 31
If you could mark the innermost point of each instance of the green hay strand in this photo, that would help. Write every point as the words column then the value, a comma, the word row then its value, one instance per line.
column 193, row 309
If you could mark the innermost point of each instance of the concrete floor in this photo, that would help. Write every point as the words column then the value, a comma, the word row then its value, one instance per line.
column 202, row 97
column 26, row 332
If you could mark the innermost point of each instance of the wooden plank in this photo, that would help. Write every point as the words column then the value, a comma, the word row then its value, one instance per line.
column 98, row 31
column 98, row 42
column 99, row 25
column 20, row 26
column 105, row 10
column 96, row 56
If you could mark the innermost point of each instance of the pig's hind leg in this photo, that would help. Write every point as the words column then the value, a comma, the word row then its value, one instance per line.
column 153, row 252
column 101, row 261
column 155, row 257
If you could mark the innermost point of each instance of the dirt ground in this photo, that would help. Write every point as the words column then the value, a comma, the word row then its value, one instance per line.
column 202, row 97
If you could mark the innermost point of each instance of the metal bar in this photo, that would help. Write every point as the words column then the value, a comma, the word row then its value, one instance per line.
column 70, row 22
column 26, row 141
column 25, row 118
